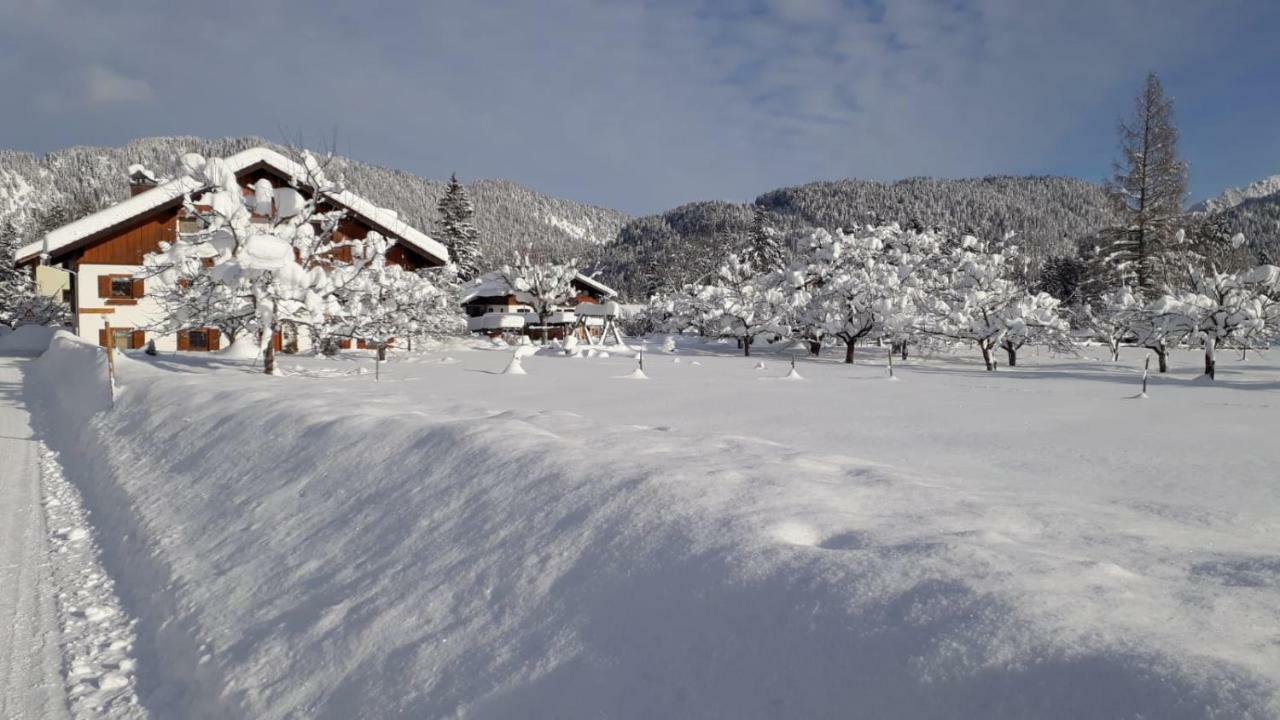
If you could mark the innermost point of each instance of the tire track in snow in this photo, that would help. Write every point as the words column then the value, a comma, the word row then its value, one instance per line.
column 97, row 635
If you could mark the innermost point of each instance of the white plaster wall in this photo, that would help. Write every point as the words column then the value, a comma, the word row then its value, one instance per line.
column 145, row 312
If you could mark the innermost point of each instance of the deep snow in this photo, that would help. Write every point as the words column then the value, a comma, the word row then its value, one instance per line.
column 452, row 540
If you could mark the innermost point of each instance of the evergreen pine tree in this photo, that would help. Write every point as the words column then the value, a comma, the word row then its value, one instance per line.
column 458, row 232
column 1149, row 187
column 763, row 251
column 13, row 283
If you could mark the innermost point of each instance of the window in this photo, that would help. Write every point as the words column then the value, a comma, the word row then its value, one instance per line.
column 121, row 287
column 197, row 340
column 122, row 338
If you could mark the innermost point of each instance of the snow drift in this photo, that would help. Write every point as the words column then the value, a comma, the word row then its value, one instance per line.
column 292, row 549
column 26, row 339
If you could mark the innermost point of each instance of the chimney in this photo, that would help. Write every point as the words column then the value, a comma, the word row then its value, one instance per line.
column 140, row 179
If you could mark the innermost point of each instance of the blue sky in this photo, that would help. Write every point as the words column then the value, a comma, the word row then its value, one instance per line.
column 645, row 105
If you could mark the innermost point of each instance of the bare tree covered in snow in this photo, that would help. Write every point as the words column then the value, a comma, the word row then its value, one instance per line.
column 862, row 285
column 548, row 285
column 1218, row 307
column 970, row 298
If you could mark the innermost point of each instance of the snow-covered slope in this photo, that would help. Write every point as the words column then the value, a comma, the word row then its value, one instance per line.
column 710, row 542
column 1234, row 196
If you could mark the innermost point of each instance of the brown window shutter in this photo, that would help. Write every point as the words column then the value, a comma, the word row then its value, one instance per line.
column 138, row 340
column 215, row 339
column 104, row 288
column 139, row 289
column 102, row 335
column 362, row 344
column 344, row 344
column 183, row 341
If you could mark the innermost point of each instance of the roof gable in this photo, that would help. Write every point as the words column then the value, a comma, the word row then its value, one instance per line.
column 91, row 227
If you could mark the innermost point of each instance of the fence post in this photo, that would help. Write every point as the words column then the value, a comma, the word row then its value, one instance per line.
column 111, row 362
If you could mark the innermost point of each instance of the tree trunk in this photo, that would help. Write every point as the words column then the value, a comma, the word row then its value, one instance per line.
column 1210, row 360
column 904, row 349
column 745, row 341
column 986, row 356
column 849, row 345
column 1162, row 354
column 1012, row 352
column 269, row 357
column 815, row 347
column 1115, row 349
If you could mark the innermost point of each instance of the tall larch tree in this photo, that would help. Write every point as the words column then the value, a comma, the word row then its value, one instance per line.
column 458, row 232
column 1149, row 187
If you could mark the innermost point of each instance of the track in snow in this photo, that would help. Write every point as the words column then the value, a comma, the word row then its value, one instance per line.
column 30, row 681
column 65, row 644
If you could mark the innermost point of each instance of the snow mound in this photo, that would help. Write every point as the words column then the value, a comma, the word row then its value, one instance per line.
column 242, row 348
column 761, row 366
column 27, row 340
column 636, row 374
column 514, row 367
column 531, row 563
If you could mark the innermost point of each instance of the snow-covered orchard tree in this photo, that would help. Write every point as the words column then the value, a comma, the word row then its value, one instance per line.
column 862, row 285
column 1112, row 318
column 458, row 231
column 971, row 299
column 1033, row 319
column 548, row 285
column 245, row 268
column 384, row 302
column 741, row 303
column 1221, row 306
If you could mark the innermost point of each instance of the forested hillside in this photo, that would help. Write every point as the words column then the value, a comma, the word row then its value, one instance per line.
column 46, row 191
column 1047, row 214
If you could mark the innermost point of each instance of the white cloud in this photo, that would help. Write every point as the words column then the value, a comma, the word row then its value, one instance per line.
column 105, row 86
column 92, row 86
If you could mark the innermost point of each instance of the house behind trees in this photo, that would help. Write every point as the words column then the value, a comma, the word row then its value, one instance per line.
column 104, row 251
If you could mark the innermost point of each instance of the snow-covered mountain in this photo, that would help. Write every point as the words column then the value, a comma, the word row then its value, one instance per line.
column 42, row 190
column 1232, row 197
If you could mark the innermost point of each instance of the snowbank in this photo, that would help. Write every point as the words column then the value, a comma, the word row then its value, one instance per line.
column 26, row 339
column 292, row 547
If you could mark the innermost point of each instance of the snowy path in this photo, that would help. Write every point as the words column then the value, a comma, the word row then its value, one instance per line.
column 30, row 681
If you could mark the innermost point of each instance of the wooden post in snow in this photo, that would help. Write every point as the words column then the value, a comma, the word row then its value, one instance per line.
column 891, row 360
column 1146, row 370
column 111, row 362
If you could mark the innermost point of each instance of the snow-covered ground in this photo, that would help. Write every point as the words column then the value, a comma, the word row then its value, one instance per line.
column 710, row 542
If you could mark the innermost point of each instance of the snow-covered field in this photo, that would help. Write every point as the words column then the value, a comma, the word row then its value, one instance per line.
column 711, row 542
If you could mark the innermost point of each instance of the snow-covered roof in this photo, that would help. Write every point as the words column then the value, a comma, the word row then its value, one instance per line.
column 493, row 284
column 596, row 285
column 163, row 194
